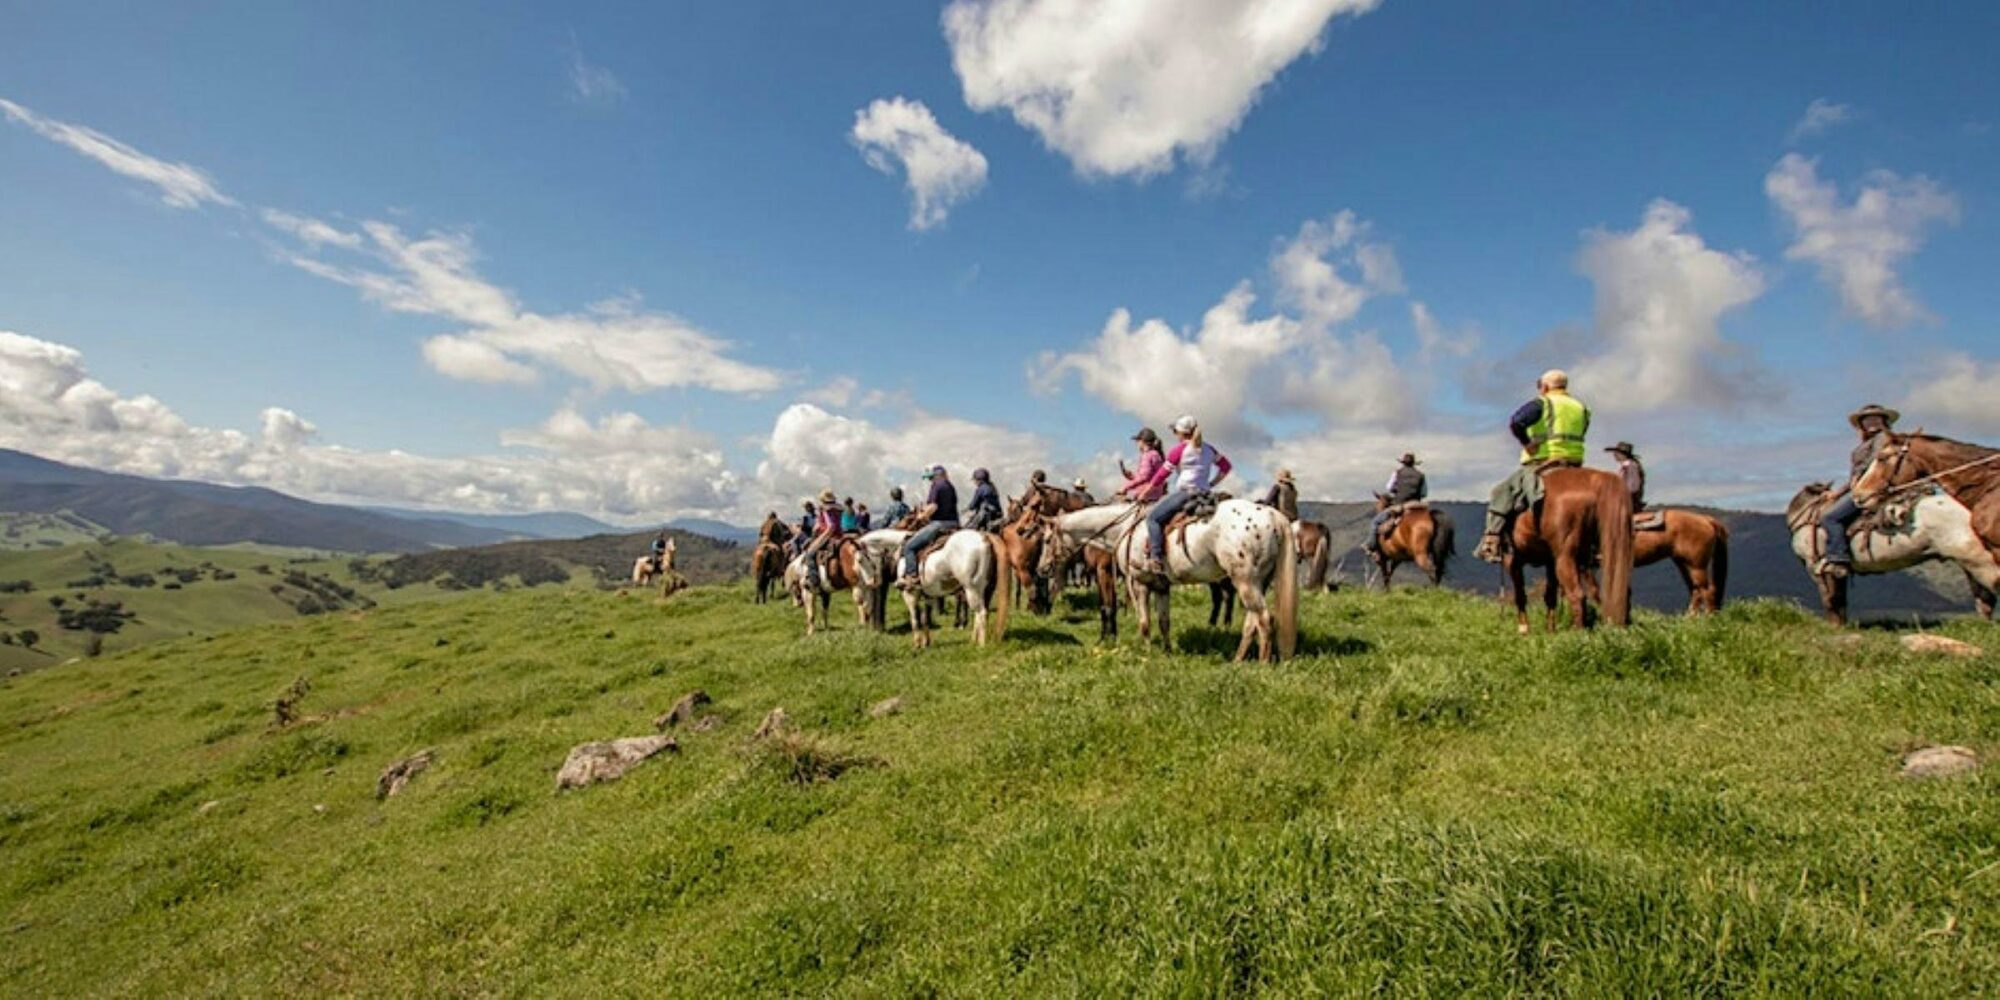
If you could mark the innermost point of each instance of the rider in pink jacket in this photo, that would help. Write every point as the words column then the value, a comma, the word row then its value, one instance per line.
column 1140, row 485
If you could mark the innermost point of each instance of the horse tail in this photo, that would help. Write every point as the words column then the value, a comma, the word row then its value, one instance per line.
column 1614, row 544
column 997, row 591
column 1285, row 602
column 1718, row 565
column 1444, row 540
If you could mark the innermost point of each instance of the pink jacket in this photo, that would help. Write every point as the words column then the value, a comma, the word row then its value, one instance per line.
column 1141, row 486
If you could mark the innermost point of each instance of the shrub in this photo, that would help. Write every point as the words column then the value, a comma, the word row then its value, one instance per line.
column 17, row 586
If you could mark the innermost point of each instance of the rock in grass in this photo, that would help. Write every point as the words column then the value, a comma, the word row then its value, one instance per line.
column 608, row 760
column 1939, row 762
column 1925, row 642
column 683, row 710
column 708, row 723
column 775, row 723
column 886, row 707
column 399, row 774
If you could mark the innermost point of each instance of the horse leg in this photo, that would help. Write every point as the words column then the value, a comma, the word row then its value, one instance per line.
column 1982, row 596
column 1517, row 591
column 1571, row 576
column 1166, row 610
column 910, row 600
column 1549, row 599
column 977, row 599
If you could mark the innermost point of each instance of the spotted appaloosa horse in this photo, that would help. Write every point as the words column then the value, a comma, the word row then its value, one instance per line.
column 1246, row 543
column 1937, row 527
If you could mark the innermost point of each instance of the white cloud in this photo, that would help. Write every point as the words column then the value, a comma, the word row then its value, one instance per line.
column 1661, row 294
column 1858, row 245
column 180, row 185
column 1125, row 86
column 1821, row 116
column 611, row 344
column 312, row 232
column 811, row 448
column 940, row 169
column 837, row 392
column 1154, row 372
column 619, row 467
column 590, row 83
column 1965, row 394
column 1308, row 270
column 1435, row 343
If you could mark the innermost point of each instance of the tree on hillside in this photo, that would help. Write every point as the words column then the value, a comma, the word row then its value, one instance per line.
column 29, row 637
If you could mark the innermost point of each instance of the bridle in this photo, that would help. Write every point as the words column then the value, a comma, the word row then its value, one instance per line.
column 1893, row 489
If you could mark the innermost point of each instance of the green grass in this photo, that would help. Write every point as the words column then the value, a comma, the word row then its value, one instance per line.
column 1423, row 804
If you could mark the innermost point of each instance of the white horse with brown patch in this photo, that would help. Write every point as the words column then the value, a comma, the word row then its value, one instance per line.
column 1246, row 543
column 968, row 564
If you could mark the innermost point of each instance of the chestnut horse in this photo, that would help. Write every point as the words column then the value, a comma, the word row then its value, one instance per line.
column 1315, row 552
column 1699, row 546
column 1422, row 535
column 767, row 566
column 1584, row 515
column 1970, row 473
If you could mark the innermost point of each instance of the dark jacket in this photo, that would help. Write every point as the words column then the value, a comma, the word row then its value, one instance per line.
column 943, row 499
column 985, row 510
column 1285, row 497
column 1408, row 484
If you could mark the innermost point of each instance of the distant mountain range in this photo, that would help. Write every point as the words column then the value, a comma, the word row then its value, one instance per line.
column 195, row 513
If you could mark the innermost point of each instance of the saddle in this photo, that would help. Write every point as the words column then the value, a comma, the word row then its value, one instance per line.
column 1199, row 510
column 1650, row 520
column 1395, row 511
column 1888, row 517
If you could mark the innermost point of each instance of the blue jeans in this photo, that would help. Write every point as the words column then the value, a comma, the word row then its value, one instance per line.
column 925, row 535
column 1835, row 521
column 1375, row 529
column 1156, row 522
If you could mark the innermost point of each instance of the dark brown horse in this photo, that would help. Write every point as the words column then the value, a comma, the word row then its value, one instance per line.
column 1699, row 546
column 1585, row 515
column 1421, row 535
column 767, row 566
column 1970, row 473
column 1018, row 546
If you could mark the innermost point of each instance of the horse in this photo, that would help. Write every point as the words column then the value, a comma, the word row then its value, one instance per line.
column 1583, row 514
column 840, row 573
column 968, row 563
column 1935, row 528
column 767, row 566
column 1249, row 544
column 1019, row 546
column 1315, row 552
column 1422, row 535
column 1969, row 473
column 650, row 568
column 1699, row 546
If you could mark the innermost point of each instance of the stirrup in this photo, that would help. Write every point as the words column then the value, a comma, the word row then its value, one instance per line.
column 1831, row 569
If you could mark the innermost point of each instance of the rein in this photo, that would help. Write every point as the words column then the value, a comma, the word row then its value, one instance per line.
column 1922, row 481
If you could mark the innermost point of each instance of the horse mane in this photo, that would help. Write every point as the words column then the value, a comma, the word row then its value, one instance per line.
column 1958, row 450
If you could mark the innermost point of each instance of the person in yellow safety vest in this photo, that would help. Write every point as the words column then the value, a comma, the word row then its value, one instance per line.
column 1550, row 428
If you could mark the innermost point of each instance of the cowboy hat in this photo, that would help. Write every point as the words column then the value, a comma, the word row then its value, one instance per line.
column 1623, row 448
column 1409, row 458
column 1078, row 485
column 1284, row 475
column 1888, row 416
column 827, row 496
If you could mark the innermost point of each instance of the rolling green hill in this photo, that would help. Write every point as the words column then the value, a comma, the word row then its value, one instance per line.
column 1421, row 804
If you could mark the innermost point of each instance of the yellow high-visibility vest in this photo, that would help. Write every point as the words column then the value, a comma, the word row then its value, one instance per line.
column 1559, row 433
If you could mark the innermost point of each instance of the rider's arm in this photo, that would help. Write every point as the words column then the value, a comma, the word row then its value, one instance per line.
column 1222, row 469
column 1525, row 418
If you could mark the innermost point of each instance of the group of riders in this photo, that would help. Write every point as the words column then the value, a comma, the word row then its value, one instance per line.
column 1550, row 428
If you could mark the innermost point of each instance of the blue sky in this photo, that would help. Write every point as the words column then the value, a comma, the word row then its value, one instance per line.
column 653, row 260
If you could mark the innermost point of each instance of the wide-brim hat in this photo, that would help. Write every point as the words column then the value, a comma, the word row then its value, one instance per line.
column 1078, row 485
column 827, row 496
column 1873, row 410
column 1409, row 458
column 1284, row 475
column 1623, row 448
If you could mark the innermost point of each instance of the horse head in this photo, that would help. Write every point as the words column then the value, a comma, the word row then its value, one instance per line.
column 1890, row 469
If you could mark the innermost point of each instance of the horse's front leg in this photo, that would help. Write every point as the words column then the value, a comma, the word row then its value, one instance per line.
column 1517, row 592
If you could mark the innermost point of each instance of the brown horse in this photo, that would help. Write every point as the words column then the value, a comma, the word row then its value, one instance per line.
column 1699, row 546
column 1018, row 545
column 1421, row 535
column 1969, row 472
column 767, row 566
column 1584, row 515
column 1315, row 553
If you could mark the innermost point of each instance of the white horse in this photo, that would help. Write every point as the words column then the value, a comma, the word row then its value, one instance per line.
column 1936, row 527
column 1246, row 543
column 875, row 571
column 967, row 564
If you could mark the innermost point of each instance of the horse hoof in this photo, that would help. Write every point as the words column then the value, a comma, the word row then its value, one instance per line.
column 1520, row 630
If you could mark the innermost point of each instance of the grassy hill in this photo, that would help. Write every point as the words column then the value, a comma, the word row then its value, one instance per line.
column 1421, row 804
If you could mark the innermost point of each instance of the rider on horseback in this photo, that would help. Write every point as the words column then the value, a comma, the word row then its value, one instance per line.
column 1632, row 472
column 1551, row 428
column 1083, row 492
column 940, row 510
column 826, row 536
column 804, row 535
column 984, row 514
column 1406, row 485
column 1872, row 422
column 1284, row 495
column 660, row 546
column 897, row 509
column 1201, row 468
column 1142, row 486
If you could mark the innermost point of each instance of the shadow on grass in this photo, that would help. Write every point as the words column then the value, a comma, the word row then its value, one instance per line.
column 1039, row 634
column 1202, row 640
